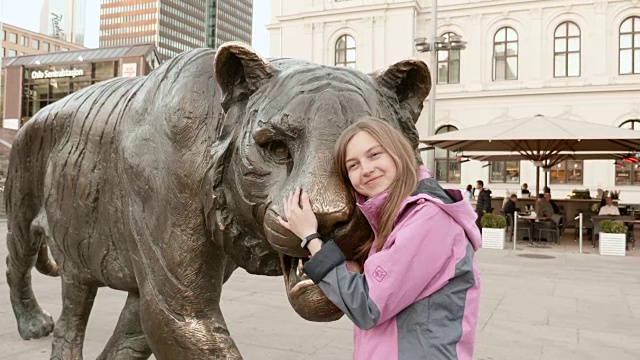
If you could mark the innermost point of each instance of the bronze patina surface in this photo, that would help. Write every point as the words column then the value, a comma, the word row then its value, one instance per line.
column 161, row 186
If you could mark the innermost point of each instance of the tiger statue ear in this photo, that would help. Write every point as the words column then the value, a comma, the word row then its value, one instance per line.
column 410, row 80
column 239, row 71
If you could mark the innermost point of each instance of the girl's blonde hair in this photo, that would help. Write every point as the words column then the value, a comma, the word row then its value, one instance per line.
column 400, row 150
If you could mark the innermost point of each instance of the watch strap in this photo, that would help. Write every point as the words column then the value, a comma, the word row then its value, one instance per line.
column 308, row 238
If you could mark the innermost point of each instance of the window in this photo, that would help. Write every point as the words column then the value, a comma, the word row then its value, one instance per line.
column 12, row 53
column 35, row 44
column 626, row 173
column 346, row 52
column 505, row 54
column 448, row 64
column 45, row 46
column 567, row 172
column 629, row 61
column 24, row 41
column 505, row 172
column 13, row 38
column 566, row 50
column 447, row 168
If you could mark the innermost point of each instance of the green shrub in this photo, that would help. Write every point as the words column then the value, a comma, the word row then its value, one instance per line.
column 491, row 221
column 612, row 227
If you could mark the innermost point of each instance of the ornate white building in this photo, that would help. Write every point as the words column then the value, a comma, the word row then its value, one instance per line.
column 577, row 59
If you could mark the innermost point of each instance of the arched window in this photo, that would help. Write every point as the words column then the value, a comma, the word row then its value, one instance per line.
column 448, row 64
column 566, row 50
column 505, row 54
column 346, row 52
column 629, row 62
column 626, row 173
column 447, row 168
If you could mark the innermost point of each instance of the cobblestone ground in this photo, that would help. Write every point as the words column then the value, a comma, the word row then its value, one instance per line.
column 570, row 306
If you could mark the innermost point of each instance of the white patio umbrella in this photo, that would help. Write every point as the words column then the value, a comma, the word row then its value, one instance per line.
column 544, row 140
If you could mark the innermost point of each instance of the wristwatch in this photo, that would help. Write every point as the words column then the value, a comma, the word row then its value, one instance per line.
column 306, row 240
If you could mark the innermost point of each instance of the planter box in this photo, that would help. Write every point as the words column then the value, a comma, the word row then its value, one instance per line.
column 493, row 238
column 613, row 244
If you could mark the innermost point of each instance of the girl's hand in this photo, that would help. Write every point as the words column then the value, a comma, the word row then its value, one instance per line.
column 300, row 220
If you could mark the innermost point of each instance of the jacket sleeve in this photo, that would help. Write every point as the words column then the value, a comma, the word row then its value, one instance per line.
column 417, row 264
column 486, row 204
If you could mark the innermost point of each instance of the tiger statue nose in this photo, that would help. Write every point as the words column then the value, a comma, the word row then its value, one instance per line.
column 328, row 222
column 331, row 201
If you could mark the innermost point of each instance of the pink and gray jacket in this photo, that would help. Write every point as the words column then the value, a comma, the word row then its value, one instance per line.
column 418, row 297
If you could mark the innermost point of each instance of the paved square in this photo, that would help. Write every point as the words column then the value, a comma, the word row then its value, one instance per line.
column 568, row 307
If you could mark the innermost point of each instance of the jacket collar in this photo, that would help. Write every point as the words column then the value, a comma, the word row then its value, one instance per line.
column 371, row 207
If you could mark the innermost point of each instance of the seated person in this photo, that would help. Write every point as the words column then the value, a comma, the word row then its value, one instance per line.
column 556, row 208
column 509, row 207
column 546, row 210
column 609, row 208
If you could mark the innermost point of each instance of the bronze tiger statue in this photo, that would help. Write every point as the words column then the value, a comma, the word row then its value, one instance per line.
column 162, row 185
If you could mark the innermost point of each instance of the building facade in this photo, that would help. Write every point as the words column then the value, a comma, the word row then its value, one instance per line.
column 64, row 19
column 577, row 59
column 18, row 41
column 174, row 26
column 229, row 20
column 32, row 82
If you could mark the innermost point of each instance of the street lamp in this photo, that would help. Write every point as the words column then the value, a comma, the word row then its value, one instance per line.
column 436, row 43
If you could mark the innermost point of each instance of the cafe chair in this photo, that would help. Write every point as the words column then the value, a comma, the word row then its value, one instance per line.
column 524, row 231
column 552, row 227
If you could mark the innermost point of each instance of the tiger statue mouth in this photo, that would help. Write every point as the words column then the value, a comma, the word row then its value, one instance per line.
column 306, row 298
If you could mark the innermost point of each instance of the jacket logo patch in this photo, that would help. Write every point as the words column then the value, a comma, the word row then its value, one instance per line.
column 379, row 273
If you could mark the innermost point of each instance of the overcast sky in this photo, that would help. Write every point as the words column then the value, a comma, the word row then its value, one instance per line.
column 26, row 14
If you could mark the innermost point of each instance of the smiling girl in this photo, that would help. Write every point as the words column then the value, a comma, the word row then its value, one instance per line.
column 417, row 296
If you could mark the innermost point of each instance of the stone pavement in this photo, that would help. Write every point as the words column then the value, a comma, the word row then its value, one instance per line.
column 567, row 307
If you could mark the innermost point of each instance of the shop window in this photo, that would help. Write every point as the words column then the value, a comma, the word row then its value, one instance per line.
column 505, row 172
column 567, row 172
column 104, row 70
column 447, row 168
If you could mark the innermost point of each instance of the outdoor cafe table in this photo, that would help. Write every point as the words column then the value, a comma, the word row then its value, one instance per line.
column 531, row 219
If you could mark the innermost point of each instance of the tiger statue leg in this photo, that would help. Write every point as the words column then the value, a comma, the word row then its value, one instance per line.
column 26, row 245
column 128, row 341
column 68, row 335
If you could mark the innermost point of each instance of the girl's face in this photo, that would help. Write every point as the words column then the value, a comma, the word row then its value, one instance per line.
column 371, row 169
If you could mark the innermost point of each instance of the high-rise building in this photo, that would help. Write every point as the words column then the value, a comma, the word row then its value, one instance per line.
column 64, row 19
column 229, row 20
column 175, row 26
